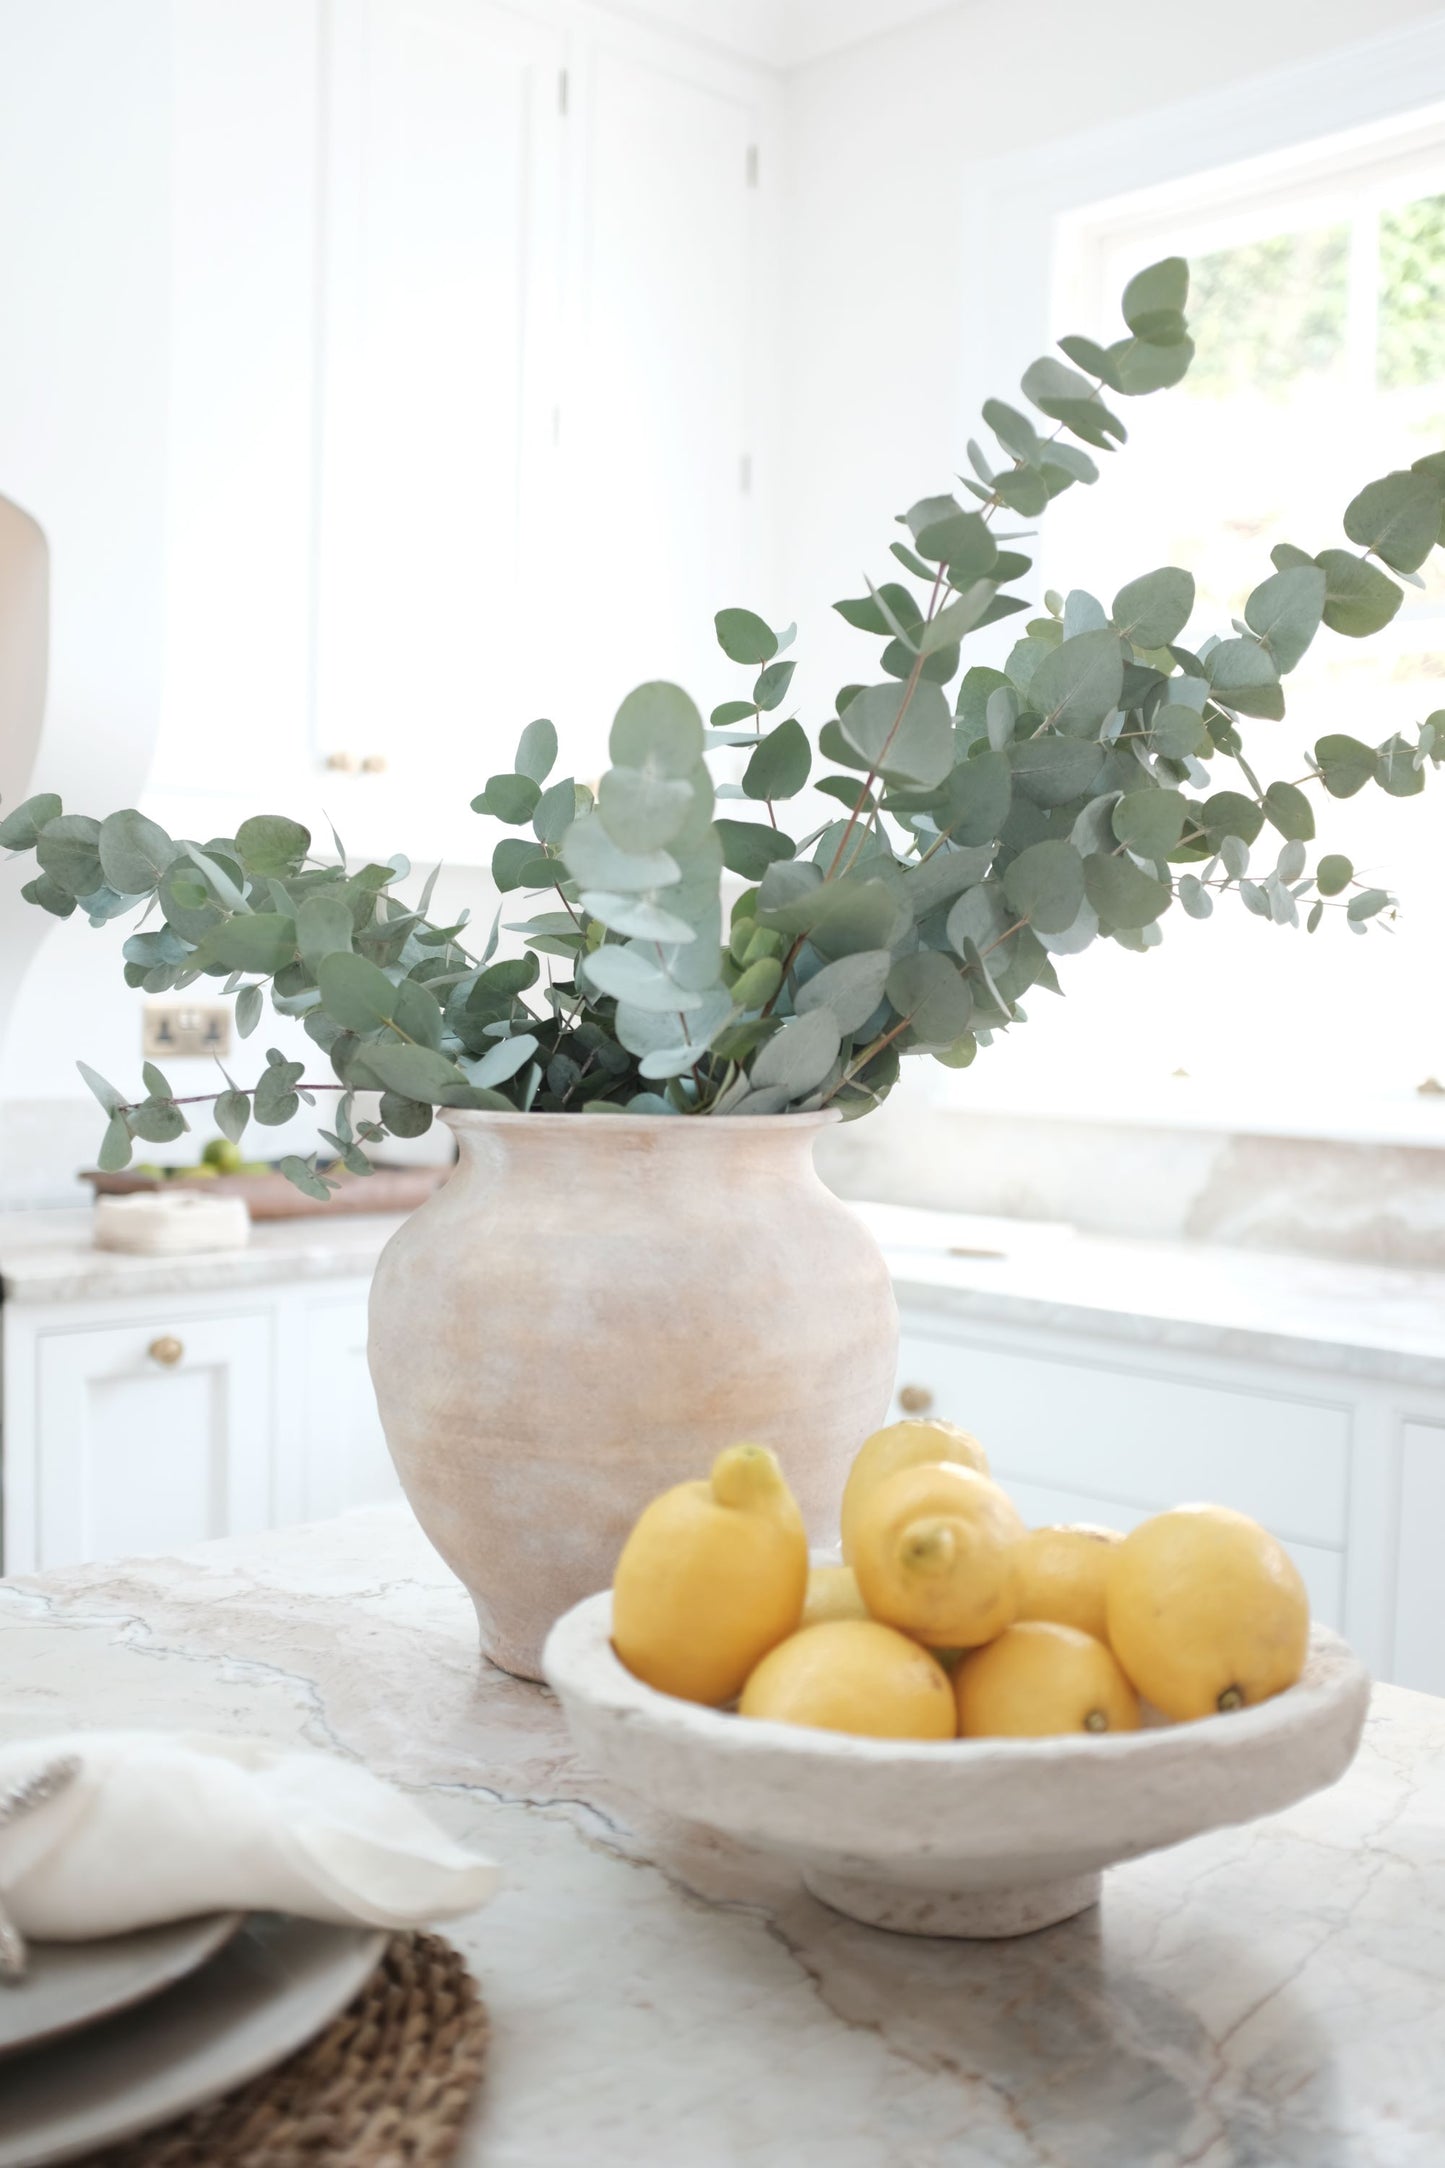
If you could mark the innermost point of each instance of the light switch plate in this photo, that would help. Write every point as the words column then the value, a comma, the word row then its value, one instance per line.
column 185, row 1028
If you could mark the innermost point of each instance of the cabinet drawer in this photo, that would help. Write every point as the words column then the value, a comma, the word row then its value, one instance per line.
column 151, row 1435
column 1108, row 1433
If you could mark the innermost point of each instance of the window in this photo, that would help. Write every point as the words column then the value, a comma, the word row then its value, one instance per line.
column 1318, row 307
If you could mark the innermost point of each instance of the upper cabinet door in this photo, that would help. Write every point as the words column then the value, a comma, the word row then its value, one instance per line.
column 657, row 414
column 443, row 265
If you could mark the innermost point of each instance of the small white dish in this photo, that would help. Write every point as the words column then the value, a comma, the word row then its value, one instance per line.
column 271, row 1989
column 70, row 1984
column 975, row 1837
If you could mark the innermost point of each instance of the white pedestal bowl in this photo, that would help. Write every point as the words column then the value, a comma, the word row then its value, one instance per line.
column 974, row 1837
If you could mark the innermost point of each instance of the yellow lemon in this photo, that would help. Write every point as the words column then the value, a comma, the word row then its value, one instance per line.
column 712, row 1576
column 832, row 1593
column 850, row 1674
column 1206, row 1611
column 934, row 1552
column 1063, row 1573
column 903, row 1445
column 1039, row 1679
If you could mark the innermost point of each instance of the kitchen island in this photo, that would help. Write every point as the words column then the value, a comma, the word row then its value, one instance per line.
column 660, row 1999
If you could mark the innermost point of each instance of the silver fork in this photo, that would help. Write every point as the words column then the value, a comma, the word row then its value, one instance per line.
column 32, row 1791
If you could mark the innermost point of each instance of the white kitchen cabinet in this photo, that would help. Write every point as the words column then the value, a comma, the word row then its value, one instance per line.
column 1420, row 1586
column 503, row 443
column 340, row 1445
column 441, row 297
column 150, row 1435
column 1082, row 1426
column 658, row 412
column 139, row 1424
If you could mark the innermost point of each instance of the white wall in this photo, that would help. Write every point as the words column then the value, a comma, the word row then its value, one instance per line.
column 902, row 316
column 84, row 284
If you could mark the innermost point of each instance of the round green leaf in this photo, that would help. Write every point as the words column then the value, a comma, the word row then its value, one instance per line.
column 744, row 637
column 1123, row 895
column 641, row 810
column 750, row 847
column 1398, row 518
column 68, row 849
column 1078, row 685
column 357, row 994
column 932, row 993
column 269, row 843
column 536, row 753
column 1287, row 809
column 780, row 764
column 1345, row 765
column 657, row 728
column 850, row 989
column 1333, row 874
column 134, row 852
column 1359, row 598
column 510, row 798
column 1154, row 610
column 20, row 830
column 1149, row 821
column 1045, row 885
column 797, row 1058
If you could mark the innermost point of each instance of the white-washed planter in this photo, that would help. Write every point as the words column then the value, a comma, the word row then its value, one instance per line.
column 985, row 1837
column 588, row 1312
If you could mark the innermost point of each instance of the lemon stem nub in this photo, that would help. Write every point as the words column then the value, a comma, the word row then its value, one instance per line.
column 928, row 1547
column 1231, row 1698
column 743, row 1474
column 1096, row 1720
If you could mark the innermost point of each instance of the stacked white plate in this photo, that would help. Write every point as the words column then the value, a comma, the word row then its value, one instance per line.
column 101, row 2040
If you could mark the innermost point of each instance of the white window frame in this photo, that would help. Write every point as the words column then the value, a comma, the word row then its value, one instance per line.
column 1358, row 128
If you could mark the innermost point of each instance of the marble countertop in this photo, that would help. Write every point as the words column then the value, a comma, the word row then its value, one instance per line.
column 1370, row 1320
column 48, row 1257
column 1261, row 1996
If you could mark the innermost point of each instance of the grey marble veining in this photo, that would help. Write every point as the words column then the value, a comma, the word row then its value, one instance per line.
column 1266, row 1997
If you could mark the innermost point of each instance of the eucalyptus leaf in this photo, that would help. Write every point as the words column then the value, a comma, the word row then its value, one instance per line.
column 270, row 843
column 633, row 974
column 909, row 736
column 1398, row 518
column 750, row 847
column 798, row 1057
column 68, row 850
column 134, row 852
column 745, row 637
column 20, row 829
column 1285, row 611
column 1078, row 685
column 1122, row 894
column 1154, row 610
column 779, row 767
column 1359, row 598
column 536, row 754
column 932, row 994
column 849, row 989
column 595, row 860
column 1045, row 886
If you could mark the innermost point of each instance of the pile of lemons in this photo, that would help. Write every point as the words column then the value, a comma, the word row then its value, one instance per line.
column 948, row 1618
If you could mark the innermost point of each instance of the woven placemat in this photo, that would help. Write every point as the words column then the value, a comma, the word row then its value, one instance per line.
column 388, row 2084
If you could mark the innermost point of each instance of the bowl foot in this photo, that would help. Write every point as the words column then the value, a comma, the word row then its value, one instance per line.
column 978, row 1914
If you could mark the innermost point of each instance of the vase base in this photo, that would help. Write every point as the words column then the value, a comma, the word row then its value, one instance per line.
column 985, row 1915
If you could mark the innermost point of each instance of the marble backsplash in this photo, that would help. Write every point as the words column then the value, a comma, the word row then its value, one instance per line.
column 1326, row 1197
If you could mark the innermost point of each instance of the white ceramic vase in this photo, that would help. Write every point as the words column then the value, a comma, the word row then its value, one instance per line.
column 593, row 1307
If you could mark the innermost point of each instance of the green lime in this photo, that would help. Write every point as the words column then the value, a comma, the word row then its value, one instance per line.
column 222, row 1155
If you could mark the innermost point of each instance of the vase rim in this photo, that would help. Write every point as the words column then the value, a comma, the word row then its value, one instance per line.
column 470, row 1118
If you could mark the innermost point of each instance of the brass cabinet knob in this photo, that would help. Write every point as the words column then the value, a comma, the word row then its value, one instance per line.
column 374, row 764
column 915, row 1399
column 167, row 1351
column 343, row 763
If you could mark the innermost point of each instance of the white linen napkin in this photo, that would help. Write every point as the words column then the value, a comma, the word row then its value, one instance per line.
column 161, row 1826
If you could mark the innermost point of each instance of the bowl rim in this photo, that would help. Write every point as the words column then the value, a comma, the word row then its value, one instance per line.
column 582, row 1668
